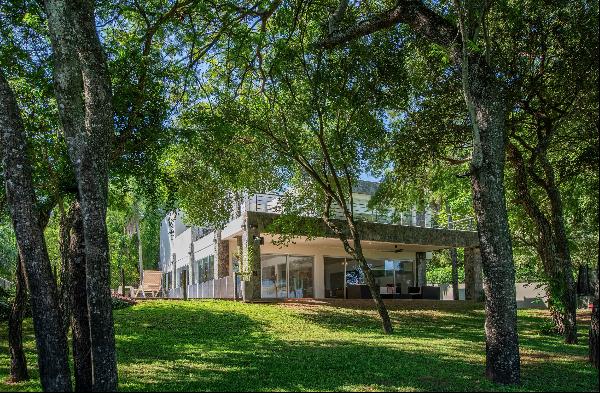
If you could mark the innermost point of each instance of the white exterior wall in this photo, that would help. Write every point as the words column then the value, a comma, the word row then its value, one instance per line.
column 529, row 295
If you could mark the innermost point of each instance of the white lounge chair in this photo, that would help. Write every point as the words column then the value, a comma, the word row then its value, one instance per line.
column 151, row 284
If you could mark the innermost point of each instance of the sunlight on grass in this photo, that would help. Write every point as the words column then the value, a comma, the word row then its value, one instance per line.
column 316, row 346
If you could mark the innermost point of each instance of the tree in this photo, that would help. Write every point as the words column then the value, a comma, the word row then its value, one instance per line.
column 555, row 66
column 83, row 93
column 51, row 340
column 313, row 116
column 485, row 98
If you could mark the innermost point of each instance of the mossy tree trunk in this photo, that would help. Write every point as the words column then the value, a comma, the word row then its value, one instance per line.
column 51, row 341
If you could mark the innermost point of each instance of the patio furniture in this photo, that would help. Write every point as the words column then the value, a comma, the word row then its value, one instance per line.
column 151, row 284
column 424, row 292
column 358, row 292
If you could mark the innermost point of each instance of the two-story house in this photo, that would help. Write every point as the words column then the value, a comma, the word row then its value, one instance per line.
column 242, row 261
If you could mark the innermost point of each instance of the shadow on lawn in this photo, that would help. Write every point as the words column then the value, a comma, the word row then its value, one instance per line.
column 230, row 351
column 202, row 349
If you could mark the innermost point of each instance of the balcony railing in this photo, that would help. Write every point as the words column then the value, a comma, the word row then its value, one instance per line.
column 271, row 203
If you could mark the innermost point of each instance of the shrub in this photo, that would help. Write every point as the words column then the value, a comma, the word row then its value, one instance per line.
column 119, row 302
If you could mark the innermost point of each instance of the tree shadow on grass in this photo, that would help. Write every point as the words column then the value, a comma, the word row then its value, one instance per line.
column 203, row 349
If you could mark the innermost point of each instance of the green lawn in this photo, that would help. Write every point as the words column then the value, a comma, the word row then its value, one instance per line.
column 223, row 345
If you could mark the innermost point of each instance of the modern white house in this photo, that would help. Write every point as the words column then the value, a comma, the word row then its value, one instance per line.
column 242, row 261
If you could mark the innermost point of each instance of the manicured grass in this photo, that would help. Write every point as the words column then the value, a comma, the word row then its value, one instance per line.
column 308, row 346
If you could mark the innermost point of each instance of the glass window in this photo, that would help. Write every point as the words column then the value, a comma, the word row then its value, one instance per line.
column 273, row 276
column 334, row 277
column 211, row 267
column 300, row 280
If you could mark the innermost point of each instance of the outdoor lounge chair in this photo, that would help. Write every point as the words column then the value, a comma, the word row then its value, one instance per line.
column 151, row 284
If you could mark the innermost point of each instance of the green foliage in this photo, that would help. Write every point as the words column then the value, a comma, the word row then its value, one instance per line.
column 8, row 249
column 234, row 346
column 6, row 299
column 443, row 275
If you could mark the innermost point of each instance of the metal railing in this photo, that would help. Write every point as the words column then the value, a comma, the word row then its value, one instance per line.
column 271, row 203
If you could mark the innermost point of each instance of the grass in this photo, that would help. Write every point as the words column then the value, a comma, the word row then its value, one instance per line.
column 318, row 346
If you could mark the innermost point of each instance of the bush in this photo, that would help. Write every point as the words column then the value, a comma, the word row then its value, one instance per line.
column 119, row 302
column 443, row 275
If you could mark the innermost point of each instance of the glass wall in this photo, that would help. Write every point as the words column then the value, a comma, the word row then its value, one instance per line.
column 335, row 286
column 274, row 276
column 300, row 277
column 285, row 276
column 203, row 269
column 344, row 278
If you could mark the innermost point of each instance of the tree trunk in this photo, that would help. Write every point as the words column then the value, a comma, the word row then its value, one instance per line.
column 83, row 93
column 140, row 253
column 65, row 270
column 594, row 333
column 487, row 177
column 454, row 259
column 370, row 279
column 562, row 300
column 564, row 265
column 51, row 342
column 18, row 362
column 80, row 324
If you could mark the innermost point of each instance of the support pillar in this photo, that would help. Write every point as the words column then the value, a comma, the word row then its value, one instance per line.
column 421, row 269
column 473, row 275
column 251, row 262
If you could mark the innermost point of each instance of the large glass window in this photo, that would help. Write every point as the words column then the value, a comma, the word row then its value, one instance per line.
column 346, row 278
column 335, row 286
column 300, row 277
column 274, row 276
column 211, row 267
column 286, row 276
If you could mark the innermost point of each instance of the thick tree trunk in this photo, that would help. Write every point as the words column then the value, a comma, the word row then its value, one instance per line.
column 18, row 362
column 51, row 341
column 80, row 324
column 83, row 92
column 502, row 344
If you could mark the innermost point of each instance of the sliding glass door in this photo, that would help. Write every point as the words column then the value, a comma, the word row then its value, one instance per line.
column 300, row 280
column 274, row 277
column 286, row 276
column 345, row 278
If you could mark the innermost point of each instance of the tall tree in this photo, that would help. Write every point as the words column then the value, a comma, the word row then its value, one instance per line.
column 51, row 340
column 485, row 98
column 84, row 95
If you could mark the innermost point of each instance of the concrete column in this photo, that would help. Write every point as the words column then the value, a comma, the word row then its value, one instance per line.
column 421, row 269
column 473, row 274
column 251, row 262
column 221, row 256
column 319, row 276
